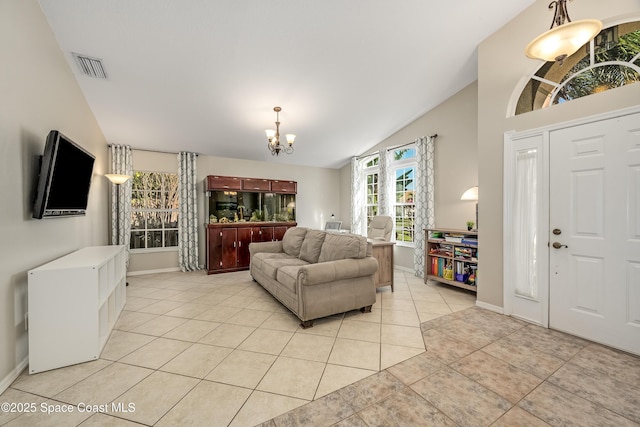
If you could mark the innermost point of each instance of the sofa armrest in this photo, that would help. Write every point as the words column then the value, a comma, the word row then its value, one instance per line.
column 331, row 271
column 256, row 247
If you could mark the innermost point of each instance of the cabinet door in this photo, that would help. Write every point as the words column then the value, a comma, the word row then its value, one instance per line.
column 216, row 182
column 229, row 237
column 267, row 234
column 278, row 232
column 254, row 184
column 214, row 249
column 244, row 239
column 287, row 187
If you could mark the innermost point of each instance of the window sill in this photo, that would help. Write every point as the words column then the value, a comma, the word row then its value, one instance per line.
column 154, row 250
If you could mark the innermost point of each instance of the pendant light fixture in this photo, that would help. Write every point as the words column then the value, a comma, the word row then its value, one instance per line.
column 564, row 37
column 273, row 136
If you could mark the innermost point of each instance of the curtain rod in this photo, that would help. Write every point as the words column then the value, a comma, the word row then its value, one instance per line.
column 395, row 147
column 153, row 151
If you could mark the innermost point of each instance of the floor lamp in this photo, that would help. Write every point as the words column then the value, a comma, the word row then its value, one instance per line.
column 117, row 180
column 472, row 194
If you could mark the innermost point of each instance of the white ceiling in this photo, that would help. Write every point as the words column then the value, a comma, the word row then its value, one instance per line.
column 204, row 75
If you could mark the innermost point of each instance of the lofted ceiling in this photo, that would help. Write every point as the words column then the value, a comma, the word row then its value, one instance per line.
column 204, row 75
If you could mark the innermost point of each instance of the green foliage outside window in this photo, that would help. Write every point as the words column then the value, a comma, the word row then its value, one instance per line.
column 154, row 210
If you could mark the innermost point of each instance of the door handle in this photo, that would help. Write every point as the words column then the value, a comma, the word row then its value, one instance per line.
column 559, row 245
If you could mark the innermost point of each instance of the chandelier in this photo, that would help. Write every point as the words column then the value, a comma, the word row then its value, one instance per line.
column 565, row 39
column 273, row 136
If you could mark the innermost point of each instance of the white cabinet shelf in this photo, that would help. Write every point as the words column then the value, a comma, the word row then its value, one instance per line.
column 74, row 303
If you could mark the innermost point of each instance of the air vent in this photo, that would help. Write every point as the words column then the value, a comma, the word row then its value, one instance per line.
column 89, row 66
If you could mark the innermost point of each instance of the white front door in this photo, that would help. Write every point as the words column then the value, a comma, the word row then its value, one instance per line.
column 594, row 231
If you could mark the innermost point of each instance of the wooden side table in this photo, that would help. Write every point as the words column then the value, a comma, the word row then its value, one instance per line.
column 383, row 252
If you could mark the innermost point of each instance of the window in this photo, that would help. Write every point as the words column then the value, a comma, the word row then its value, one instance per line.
column 371, row 175
column 403, row 166
column 610, row 60
column 154, row 210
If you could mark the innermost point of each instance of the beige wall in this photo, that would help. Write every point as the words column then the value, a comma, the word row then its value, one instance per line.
column 502, row 68
column 318, row 195
column 39, row 93
column 456, row 153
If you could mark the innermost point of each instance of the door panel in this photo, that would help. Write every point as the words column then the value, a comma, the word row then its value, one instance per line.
column 229, row 237
column 244, row 239
column 214, row 249
column 594, row 201
column 526, row 228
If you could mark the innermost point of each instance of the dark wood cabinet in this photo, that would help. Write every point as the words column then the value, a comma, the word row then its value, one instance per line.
column 228, row 244
column 285, row 187
column 264, row 185
column 215, row 182
column 255, row 184
column 234, row 203
column 245, row 237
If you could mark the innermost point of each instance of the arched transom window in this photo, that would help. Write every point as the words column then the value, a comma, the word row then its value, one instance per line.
column 610, row 60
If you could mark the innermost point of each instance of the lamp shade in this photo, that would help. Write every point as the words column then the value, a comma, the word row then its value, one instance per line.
column 117, row 178
column 470, row 194
column 562, row 41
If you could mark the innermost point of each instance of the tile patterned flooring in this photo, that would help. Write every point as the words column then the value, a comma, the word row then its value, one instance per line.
column 192, row 349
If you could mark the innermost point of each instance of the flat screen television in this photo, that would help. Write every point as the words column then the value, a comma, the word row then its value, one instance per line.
column 64, row 180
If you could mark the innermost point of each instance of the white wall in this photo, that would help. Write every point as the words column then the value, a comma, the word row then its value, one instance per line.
column 318, row 194
column 503, row 70
column 456, row 152
column 39, row 93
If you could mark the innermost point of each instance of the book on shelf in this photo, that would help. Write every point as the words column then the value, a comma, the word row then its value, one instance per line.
column 470, row 240
column 436, row 235
column 453, row 237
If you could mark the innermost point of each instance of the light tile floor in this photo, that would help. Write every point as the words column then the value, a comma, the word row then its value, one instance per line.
column 181, row 359
column 219, row 350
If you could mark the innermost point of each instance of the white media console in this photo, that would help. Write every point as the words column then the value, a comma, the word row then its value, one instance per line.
column 74, row 303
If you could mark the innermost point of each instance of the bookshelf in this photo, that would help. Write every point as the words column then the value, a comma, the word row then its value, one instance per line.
column 451, row 257
column 74, row 303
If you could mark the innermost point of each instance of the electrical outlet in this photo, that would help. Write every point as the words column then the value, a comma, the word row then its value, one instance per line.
column 26, row 321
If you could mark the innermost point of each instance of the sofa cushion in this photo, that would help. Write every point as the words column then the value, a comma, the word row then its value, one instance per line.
column 270, row 266
column 343, row 246
column 292, row 240
column 258, row 259
column 311, row 246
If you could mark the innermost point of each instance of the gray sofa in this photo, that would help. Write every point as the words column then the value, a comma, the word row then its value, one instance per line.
column 316, row 273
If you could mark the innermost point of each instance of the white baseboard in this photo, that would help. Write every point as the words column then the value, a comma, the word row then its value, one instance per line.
column 161, row 270
column 9, row 379
column 491, row 307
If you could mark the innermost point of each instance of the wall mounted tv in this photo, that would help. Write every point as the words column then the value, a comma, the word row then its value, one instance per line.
column 64, row 180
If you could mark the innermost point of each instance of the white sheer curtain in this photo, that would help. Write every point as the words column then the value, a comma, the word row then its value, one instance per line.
column 424, row 198
column 121, row 163
column 386, row 181
column 358, row 222
column 188, row 221
column 525, row 221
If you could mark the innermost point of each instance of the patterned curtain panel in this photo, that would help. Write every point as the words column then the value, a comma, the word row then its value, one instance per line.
column 188, row 221
column 358, row 222
column 424, row 198
column 385, row 184
column 121, row 163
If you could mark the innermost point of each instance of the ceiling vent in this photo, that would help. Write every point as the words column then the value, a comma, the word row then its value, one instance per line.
column 89, row 66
